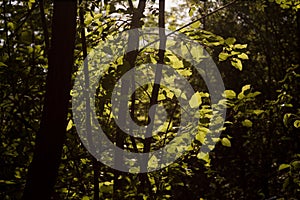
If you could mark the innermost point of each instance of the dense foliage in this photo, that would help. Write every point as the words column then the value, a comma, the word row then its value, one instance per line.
column 256, row 46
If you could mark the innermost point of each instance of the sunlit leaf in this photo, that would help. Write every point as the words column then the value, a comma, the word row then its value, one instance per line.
column 286, row 118
column 70, row 125
column 297, row 123
column 237, row 63
column 197, row 24
column 230, row 40
column 195, row 101
column 283, row 166
column 203, row 156
column 226, row 142
column 247, row 123
column 240, row 46
column 243, row 56
column 200, row 137
column 153, row 162
column 223, row 56
column 258, row 112
column 229, row 94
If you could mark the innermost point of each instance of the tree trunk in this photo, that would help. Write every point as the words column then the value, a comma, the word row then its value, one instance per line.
column 51, row 136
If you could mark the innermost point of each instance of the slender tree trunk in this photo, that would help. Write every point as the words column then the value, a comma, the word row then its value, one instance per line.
column 88, row 106
column 154, row 95
column 51, row 136
column 129, row 60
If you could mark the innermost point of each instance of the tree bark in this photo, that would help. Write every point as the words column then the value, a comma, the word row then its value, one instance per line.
column 51, row 136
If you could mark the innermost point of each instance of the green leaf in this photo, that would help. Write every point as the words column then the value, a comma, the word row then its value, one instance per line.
column 258, row 112
column 247, row 123
column 201, row 136
column 2, row 64
column 153, row 162
column 283, row 166
column 195, row 25
column 230, row 40
column 203, row 156
column 237, row 63
column 297, row 123
column 243, row 56
column 286, row 118
column 153, row 60
column 246, row 87
column 241, row 95
column 185, row 72
column 85, row 198
column 240, row 46
column 229, row 94
column 10, row 26
column 195, row 101
column 223, row 56
column 253, row 94
column 226, row 142
column 172, row 149
column 70, row 125
column 296, row 164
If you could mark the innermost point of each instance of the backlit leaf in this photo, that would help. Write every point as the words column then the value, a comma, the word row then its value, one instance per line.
column 247, row 123
column 237, row 63
column 297, row 123
column 243, row 56
column 223, row 56
column 230, row 40
column 283, row 166
column 70, row 124
column 229, row 94
column 226, row 142
column 195, row 101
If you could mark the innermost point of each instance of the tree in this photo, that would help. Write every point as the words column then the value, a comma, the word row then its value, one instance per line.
column 51, row 137
column 255, row 46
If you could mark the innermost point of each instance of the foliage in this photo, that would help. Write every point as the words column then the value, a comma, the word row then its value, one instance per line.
column 256, row 47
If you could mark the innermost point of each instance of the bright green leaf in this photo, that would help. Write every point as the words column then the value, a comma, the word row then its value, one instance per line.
column 229, row 94
column 153, row 162
column 237, row 63
column 243, row 56
column 195, row 101
column 230, row 40
column 258, row 112
column 195, row 25
column 70, row 125
column 201, row 137
column 223, row 56
column 203, row 156
column 246, row 87
column 226, row 142
column 297, row 123
column 240, row 46
column 253, row 94
column 286, row 118
column 283, row 166
column 247, row 123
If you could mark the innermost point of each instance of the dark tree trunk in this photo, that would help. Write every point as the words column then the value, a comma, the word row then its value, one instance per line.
column 130, row 58
column 51, row 136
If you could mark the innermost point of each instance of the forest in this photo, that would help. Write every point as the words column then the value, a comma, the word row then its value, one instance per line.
column 150, row 99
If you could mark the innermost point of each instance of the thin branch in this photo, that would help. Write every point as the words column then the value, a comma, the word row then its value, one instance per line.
column 131, row 8
column 88, row 106
column 192, row 22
